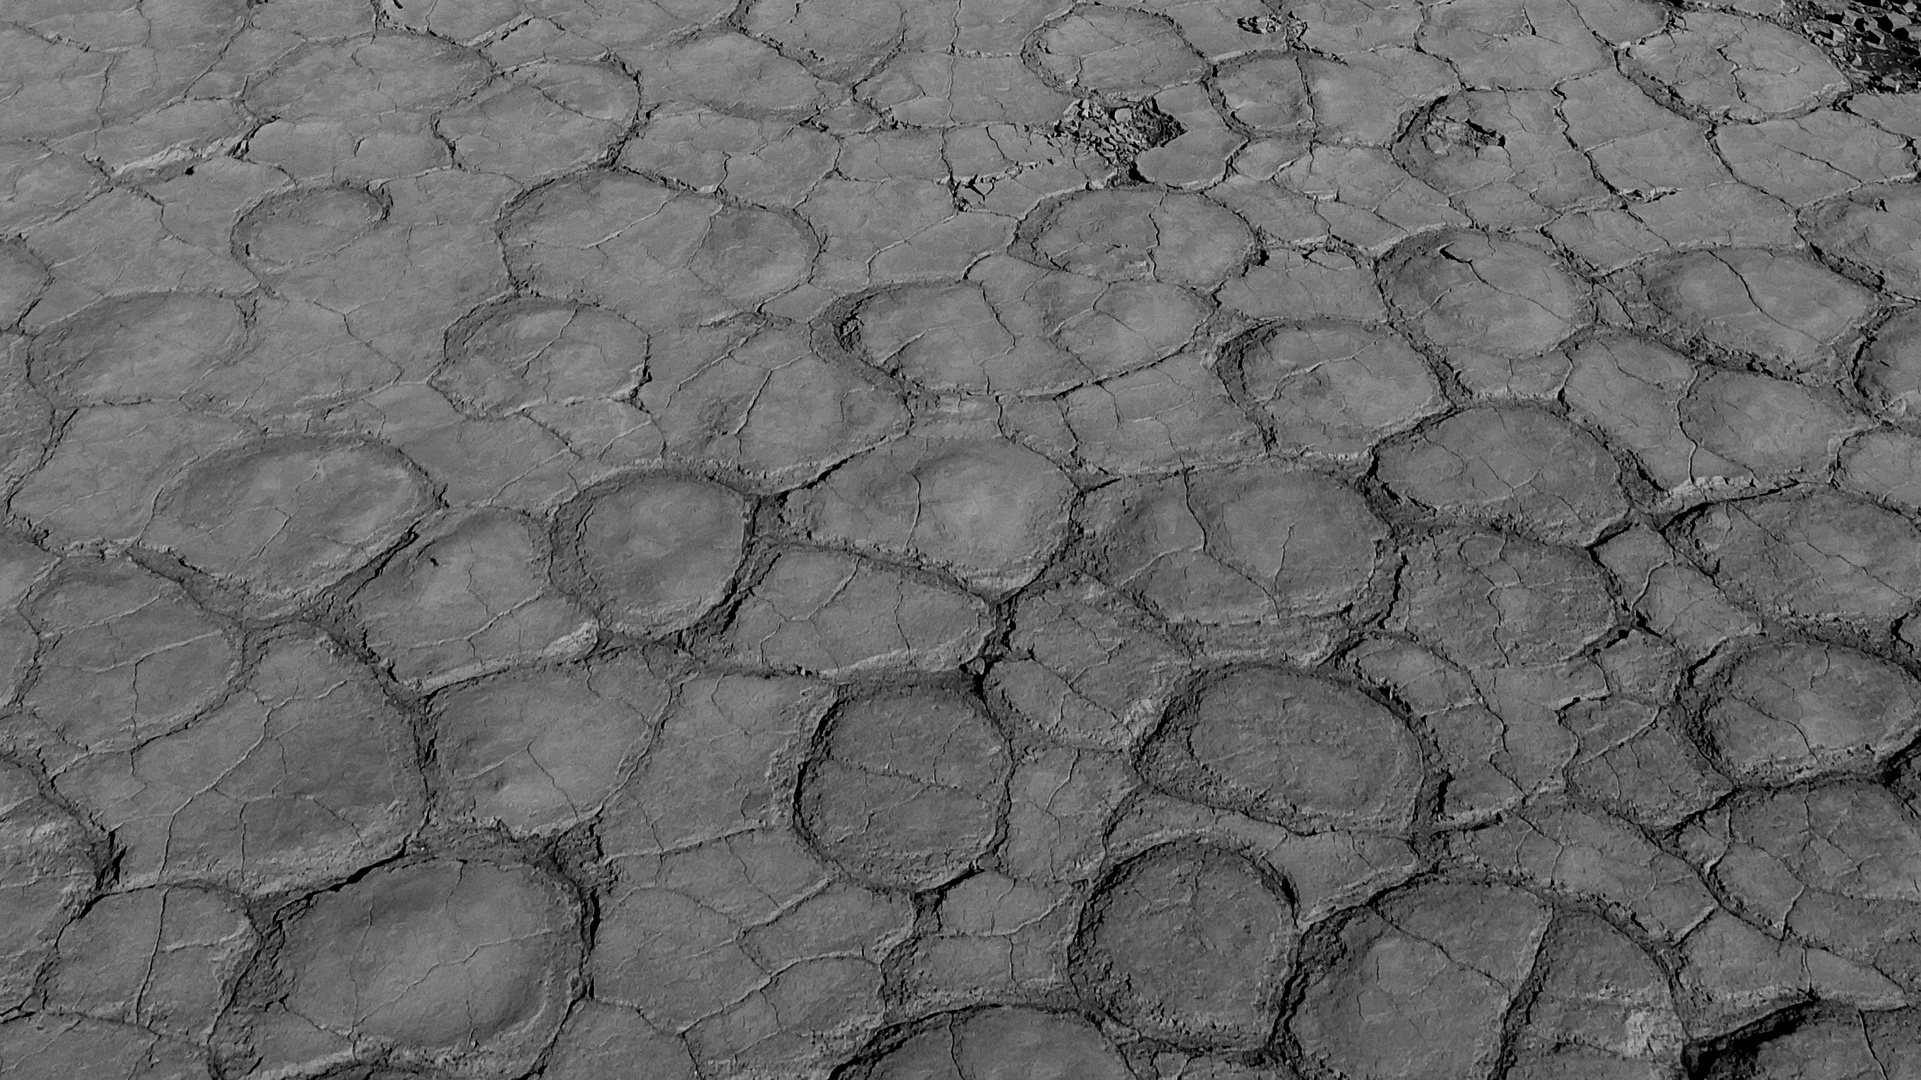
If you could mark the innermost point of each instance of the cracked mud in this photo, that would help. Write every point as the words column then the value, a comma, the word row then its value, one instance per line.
column 960, row 540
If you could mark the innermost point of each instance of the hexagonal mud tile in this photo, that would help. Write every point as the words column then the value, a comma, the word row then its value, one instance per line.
column 1831, row 864
column 164, row 959
column 599, row 1040
column 1789, row 311
column 998, row 1044
column 1337, row 388
column 1087, row 667
column 1476, row 295
column 463, row 965
column 1768, row 425
column 832, row 614
column 725, row 762
column 680, row 259
column 655, row 553
column 765, row 405
column 137, row 347
column 1249, row 559
column 989, row 511
column 1603, row 1008
column 304, row 774
column 1503, row 156
column 1878, row 228
column 289, row 517
column 45, row 1046
column 1820, row 557
column 1734, row 975
column 1189, row 945
column 1487, row 599
column 470, row 596
column 126, row 656
column 1889, row 366
column 764, row 160
column 1582, row 852
column 1733, row 66
column 1420, row 983
column 750, row 947
column 1793, row 711
column 907, row 789
column 1304, row 752
column 541, row 750
column 544, row 119
column 1116, row 51
column 1120, row 235
column 527, row 352
column 1493, row 753
column 1510, row 465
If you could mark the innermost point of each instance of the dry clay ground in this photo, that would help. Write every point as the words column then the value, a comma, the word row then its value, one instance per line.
column 957, row 540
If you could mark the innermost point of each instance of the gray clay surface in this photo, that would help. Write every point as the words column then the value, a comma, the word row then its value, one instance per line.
column 960, row 540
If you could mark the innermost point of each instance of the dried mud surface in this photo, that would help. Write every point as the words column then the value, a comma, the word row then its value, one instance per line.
column 960, row 540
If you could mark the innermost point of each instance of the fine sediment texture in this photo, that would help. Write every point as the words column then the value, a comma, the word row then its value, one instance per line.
column 960, row 540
